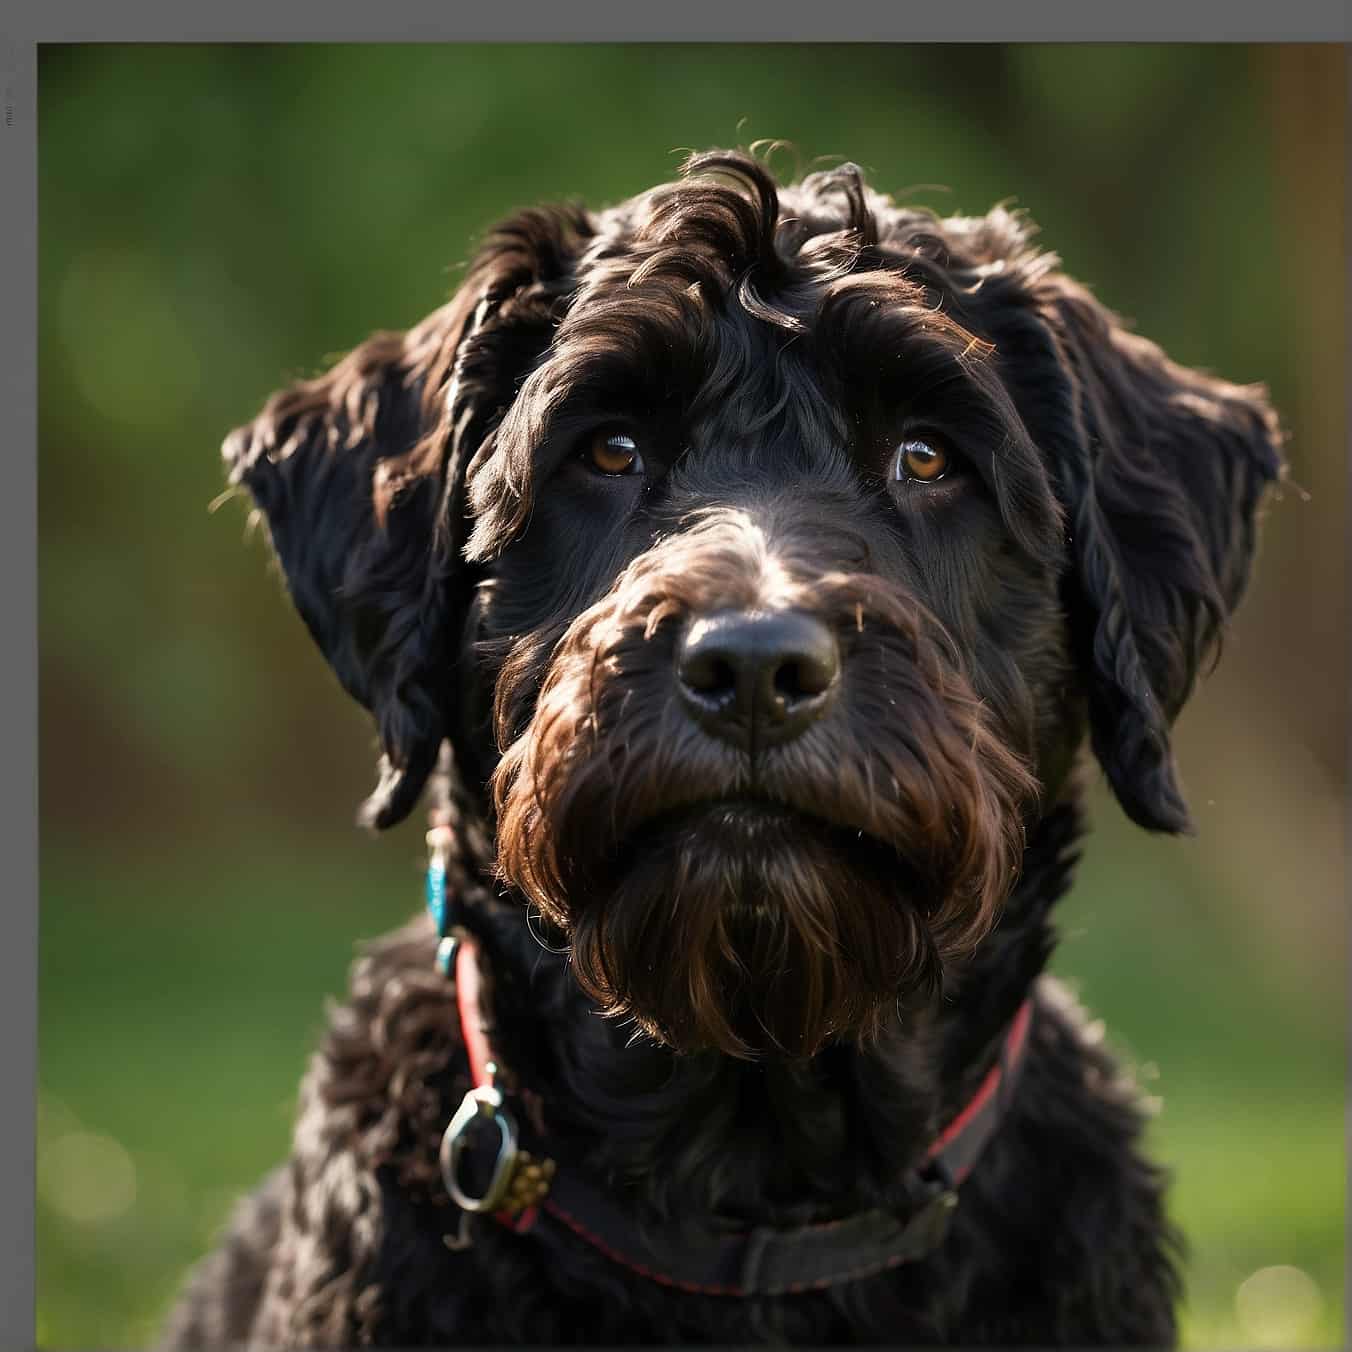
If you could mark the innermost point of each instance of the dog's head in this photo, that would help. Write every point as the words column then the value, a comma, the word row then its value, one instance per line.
column 764, row 554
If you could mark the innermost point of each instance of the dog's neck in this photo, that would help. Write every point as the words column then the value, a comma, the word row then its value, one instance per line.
column 772, row 1142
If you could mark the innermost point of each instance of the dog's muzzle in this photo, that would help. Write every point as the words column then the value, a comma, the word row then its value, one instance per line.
column 758, row 794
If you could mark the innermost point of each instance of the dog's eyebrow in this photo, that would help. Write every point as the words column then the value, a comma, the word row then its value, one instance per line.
column 919, row 361
column 866, row 320
column 593, row 370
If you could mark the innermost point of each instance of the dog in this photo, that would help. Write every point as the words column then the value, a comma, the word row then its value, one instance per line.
column 740, row 571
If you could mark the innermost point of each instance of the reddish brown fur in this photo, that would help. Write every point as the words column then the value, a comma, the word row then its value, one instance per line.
column 932, row 783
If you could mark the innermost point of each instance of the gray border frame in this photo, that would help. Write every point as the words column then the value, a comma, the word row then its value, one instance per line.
column 1347, row 563
column 18, row 780
column 1250, row 21
column 709, row 21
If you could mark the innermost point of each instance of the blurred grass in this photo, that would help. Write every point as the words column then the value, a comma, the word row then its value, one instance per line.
column 183, row 1046
column 186, row 1052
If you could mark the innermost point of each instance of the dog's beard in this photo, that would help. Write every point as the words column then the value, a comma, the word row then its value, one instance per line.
column 752, row 930
column 767, row 908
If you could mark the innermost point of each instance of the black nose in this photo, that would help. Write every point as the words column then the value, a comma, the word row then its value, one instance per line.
column 757, row 679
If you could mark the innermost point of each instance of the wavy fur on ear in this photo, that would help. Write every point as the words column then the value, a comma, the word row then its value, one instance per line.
column 354, row 537
column 359, row 474
column 1163, row 469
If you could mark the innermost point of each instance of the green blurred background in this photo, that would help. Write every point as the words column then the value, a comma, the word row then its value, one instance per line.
column 215, row 220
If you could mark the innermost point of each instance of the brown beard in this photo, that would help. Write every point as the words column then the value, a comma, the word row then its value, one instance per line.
column 763, row 907
column 753, row 931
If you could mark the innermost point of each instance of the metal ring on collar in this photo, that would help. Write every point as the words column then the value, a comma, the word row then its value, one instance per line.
column 485, row 1102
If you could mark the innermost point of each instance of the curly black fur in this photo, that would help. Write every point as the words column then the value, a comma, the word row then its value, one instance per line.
column 809, row 953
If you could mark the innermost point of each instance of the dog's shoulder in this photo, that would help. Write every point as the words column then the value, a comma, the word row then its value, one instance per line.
column 220, row 1301
column 297, row 1265
column 375, row 1093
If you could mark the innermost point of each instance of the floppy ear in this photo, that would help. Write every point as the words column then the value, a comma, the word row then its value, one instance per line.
column 1162, row 470
column 360, row 473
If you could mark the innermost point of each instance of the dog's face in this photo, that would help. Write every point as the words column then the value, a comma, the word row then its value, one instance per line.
column 764, row 554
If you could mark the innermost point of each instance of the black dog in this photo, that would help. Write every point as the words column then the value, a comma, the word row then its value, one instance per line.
column 764, row 556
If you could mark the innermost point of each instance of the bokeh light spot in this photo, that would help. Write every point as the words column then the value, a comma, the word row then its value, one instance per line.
column 88, row 1179
column 1278, row 1307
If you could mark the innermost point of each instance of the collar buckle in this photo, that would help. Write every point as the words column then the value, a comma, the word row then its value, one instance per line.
column 929, row 1226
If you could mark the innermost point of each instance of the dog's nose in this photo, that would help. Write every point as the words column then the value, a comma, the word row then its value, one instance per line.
column 757, row 679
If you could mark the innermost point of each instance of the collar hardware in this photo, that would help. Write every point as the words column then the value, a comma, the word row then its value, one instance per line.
column 523, row 1187
column 480, row 1106
column 517, row 1181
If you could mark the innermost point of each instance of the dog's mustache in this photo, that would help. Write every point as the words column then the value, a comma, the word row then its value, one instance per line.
column 609, row 749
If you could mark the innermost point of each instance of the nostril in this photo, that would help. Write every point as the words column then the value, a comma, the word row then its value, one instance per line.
column 723, row 676
column 708, row 673
column 787, row 681
column 803, row 677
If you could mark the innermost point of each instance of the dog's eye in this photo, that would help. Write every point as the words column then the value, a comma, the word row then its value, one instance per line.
column 612, row 453
column 922, row 460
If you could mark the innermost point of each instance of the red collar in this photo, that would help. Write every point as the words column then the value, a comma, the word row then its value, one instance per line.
column 526, row 1187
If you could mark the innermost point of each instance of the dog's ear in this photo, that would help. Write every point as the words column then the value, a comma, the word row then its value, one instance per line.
column 1162, row 470
column 359, row 475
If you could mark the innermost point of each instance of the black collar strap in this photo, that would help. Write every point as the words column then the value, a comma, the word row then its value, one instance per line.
column 759, row 1262
column 775, row 1262
column 526, row 1187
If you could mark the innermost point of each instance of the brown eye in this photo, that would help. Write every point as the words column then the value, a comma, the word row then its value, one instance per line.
column 920, row 460
column 613, row 453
